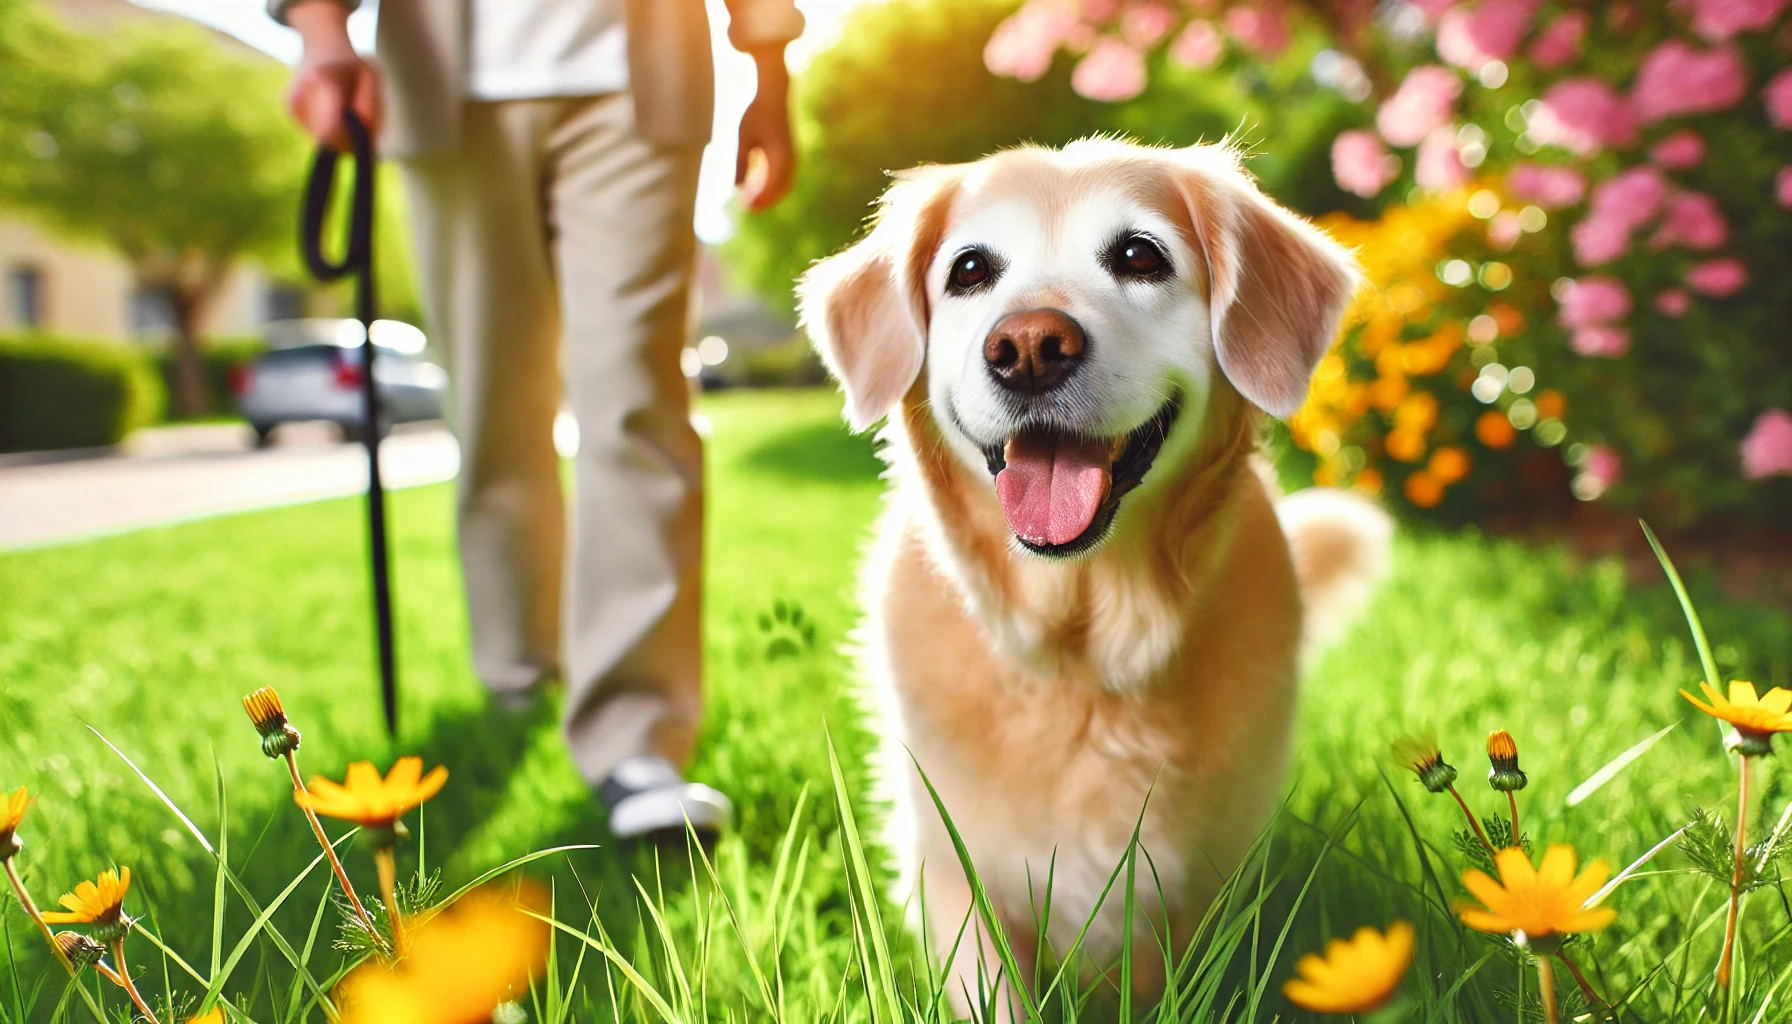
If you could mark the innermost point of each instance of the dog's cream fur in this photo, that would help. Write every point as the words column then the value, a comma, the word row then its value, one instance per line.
column 1045, row 698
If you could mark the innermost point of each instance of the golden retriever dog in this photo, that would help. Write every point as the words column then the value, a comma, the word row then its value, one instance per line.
column 1082, row 590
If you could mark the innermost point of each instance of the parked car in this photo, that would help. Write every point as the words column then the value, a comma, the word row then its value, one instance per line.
column 312, row 371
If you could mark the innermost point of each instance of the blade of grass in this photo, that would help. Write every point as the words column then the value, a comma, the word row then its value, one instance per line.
column 1617, row 764
column 860, row 880
column 1706, row 661
column 218, row 877
column 261, row 921
column 642, row 986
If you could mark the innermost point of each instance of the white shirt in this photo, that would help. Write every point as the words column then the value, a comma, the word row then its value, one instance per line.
column 535, row 49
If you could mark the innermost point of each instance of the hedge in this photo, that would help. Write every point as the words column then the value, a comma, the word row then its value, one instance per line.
column 62, row 393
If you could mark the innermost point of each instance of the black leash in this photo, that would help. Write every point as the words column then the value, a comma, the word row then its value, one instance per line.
column 358, row 260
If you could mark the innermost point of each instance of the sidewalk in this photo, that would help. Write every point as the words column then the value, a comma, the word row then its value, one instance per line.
column 169, row 474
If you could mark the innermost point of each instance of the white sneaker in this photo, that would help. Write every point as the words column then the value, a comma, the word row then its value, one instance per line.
column 647, row 796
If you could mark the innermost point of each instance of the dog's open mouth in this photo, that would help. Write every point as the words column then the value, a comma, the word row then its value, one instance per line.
column 1059, row 492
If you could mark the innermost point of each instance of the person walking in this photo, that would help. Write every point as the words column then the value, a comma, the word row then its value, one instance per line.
column 550, row 151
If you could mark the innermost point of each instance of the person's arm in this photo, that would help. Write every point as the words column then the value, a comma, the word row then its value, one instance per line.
column 331, row 76
column 766, row 162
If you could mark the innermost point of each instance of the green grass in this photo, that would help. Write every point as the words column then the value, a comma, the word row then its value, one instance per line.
column 151, row 638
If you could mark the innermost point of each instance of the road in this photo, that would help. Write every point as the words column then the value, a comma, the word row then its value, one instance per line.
column 176, row 473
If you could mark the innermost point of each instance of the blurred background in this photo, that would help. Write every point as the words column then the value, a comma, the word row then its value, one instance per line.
column 1575, row 223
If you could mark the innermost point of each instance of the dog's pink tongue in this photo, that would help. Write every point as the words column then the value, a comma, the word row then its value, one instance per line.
column 1052, row 487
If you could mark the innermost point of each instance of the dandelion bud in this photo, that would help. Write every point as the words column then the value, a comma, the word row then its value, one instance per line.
column 12, row 811
column 278, row 737
column 1502, row 750
column 80, row 950
column 1420, row 755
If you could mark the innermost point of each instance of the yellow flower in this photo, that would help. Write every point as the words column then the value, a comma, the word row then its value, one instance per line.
column 278, row 737
column 1756, row 718
column 213, row 1016
column 370, row 801
column 1354, row 975
column 1540, row 902
column 12, row 811
column 460, row 965
column 99, row 903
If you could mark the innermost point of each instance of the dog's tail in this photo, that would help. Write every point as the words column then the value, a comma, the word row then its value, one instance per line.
column 1341, row 543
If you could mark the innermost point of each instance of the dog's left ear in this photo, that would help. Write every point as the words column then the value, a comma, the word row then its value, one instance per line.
column 1277, row 285
column 866, row 307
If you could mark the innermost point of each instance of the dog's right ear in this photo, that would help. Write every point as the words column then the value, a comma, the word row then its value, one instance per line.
column 866, row 307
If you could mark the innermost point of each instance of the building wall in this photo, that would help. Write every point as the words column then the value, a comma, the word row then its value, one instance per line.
column 87, row 291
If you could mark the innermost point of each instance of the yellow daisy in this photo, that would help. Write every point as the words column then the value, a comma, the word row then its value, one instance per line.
column 1541, row 902
column 1354, row 975
column 12, row 811
column 99, row 903
column 214, row 1016
column 460, row 965
column 1756, row 718
column 370, row 801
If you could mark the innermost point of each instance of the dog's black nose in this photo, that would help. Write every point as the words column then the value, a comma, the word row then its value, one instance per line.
column 1034, row 351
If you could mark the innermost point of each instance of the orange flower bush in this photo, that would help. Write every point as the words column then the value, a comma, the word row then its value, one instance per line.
column 1431, row 387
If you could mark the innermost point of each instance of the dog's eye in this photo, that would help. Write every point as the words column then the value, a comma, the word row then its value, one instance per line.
column 1136, row 256
column 971, row 270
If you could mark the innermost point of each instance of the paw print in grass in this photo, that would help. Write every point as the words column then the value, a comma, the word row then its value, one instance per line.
column 787, row 632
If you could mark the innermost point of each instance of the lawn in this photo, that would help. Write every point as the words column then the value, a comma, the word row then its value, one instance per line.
column 151, row 638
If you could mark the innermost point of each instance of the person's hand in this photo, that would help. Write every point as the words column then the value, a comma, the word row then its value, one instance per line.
column 766, row 163
column 331, row 76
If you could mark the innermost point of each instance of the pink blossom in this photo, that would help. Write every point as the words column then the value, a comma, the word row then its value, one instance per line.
column 1767, row 450
column 1603, row 464
column 1694, row 221
column 1439, row 166
column 1197, row 46
column 1782, row 187
column 1591, row 301
column 1680, row 151
column 1584, row 115
column 1720, row 278
column 1491, row 30
column 1631, row 197
column 1099, row 10
column 1676, row 80
column 1024, row 44
column 1361, row 164
column 1433, row 8
column 1425, row 100
column 1549, row 187
column 1673, row 302
column 1113, row 71
column 1778, row 97
column 1599, row 239
column 1559, row 42
column 1601, row 342
column 1146, row 25
column 1260, row 30
column 1504, row 230
column 1718, row 20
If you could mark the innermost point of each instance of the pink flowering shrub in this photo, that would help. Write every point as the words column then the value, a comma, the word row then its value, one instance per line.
column 1639, row 156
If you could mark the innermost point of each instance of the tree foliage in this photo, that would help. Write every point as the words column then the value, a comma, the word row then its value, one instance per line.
column 165, row 144
column 906, row 84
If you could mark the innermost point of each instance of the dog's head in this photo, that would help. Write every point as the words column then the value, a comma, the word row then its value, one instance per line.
column 1074, row 311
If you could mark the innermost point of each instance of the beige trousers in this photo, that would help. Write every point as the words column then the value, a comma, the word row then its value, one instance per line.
column 555, row 251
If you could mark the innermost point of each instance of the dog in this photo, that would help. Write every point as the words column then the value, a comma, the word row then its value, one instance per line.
column 1083, row 590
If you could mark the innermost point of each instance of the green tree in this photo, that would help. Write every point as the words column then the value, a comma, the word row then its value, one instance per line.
column 906, row 85
column 170, row 147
